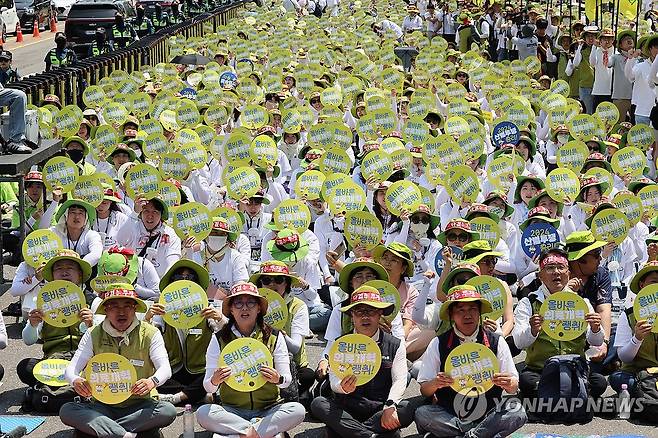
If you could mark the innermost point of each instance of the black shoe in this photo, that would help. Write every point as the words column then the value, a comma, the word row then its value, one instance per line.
column 78, row 434
column 32, row 145
column 17, row 148
column 14, row 309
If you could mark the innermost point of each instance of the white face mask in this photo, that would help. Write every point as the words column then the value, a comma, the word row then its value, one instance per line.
column 339, row 222
column 562, row 138
column 216, row 243
column 419, row 229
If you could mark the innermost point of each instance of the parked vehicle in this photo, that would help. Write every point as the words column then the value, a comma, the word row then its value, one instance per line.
column 30, row 10
column 62, row 8
column 87, row 15
column 149, row 6
column 8, row 18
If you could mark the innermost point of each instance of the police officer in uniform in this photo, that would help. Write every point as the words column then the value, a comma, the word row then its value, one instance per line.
column 99, row 46
column 159, row 19
column 60, row 56
column 122, row 33
column 142, row 24
column 176, row 14
column 7, row 73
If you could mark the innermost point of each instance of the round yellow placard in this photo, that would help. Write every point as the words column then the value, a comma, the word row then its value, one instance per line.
column 378, row 165
column 40, row 246
column 192, row 219
column 309, row 184
column 235, row 220
column 253, row 116
column 564, row 316
column 344, row 197
column 111, row 377
column 242, row 183
column 103, row 283
column 389, row 293
column 61, row 301
column 562, row 184
column 60, row 172
column 493, row 290
column 630, row 205
column 500, row 169
column 51, row 372
column 403, row 195
column 649, row 198
column 472, row 366
column 68, row 120
column 572, row 155
column 645, row 306
column 89, row 188
column 169, row 193
column 174, row 165
column 488, row 230
column 292, row 213
column 195, row 153
column 463, row 185
column 142, row 179
column 183, row 301
column 610, row 225
column 355, row 355
column 245, row 357
column 277, row 310
column 363, row 228
column 629, row 161
column 640, row 136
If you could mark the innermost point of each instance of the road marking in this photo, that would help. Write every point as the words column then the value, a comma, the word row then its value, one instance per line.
column 7, row 46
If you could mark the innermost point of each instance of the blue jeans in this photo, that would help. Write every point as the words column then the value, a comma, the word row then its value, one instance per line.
column 642, row 120
column 585, row 95
column 318, row 317
column 497, row 423
column 16, row 100
column 619, row 378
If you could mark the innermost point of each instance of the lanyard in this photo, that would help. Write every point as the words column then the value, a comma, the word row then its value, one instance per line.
column 69, row 242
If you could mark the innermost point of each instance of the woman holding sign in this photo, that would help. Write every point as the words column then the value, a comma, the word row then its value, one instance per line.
column 110, row 220
column 265, row 368
column 74, row 226
column 276, row 276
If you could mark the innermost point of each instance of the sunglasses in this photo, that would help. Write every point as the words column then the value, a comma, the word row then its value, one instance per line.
column 267, row 280
column 462, row 237
column 419, row 219
column 241, row 304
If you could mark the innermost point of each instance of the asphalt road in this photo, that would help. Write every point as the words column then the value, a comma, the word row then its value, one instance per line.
column 28, row 56
column 11, row 392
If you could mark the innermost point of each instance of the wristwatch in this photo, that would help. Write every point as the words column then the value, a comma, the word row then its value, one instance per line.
column 390, row 403
column 155, row 380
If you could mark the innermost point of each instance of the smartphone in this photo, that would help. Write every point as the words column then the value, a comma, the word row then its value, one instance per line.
column 340, row 249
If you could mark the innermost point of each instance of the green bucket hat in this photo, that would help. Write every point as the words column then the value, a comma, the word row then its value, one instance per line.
column 457, row 224
column 519, row 182
column 274, row 268
column 463, row 294
column 539, row 214
column 119, row 261
column 399, row 249
column 532, row 150
column 499, row 194
column 359, row 263
column 121, row 291
column 121, row 148
column 458, row 269
column 91, row 211
column 597, row 208
column 475, row 251
column 201, row 273
column 638, row 184
column 368, row 296
column 67, row 254
column 75, row 138
column 288, row 246
column 163, row 207
column 535, row 200
column 643, row 272
column 580, row 243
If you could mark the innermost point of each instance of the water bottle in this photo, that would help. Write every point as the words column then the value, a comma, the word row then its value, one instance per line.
column 624, row 407
column 188, row 422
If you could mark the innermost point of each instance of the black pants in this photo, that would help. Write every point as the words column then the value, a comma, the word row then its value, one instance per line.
column 189, row 384
column 2, row 372
column 357, row 424
column 25, row 368
column 602, row 98
column 529, row 381
column 306, row 377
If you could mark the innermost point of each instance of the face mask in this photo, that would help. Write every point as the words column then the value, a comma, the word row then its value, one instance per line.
column 215, row 243
column 75, row 155
column 419, row 229
column 562, row 138
column 339, row 223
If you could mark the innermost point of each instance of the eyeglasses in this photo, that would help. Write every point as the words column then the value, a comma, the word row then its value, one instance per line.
column 267, row 280
column 489, row 261
column 419, row 219
column 555, row 269
column 462, row 237
column 366, row 311
column 461, row 75
column 241, row 304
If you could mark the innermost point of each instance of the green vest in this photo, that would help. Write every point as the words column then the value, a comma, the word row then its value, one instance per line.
column 159, row 23
column 585, row 71
column 465, row 38
column 294, row 306
column 261, row 398
column 545, row 347
column 137, row 351
column 122, row 38
column 56, row 61
column 193, row 355
column 647, row 355
column 58, row 339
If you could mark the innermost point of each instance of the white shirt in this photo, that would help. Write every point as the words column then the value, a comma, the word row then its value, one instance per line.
column 147, row 285
column 410, row 24
column 602, row 75
column 625, row 341
column 231, row 269
column 398, row 373
column 111, row 229
column 280, row 356
column 389, row 27
column 643, row 89
column 89, row 245
column 85, row 351
column 164, row 251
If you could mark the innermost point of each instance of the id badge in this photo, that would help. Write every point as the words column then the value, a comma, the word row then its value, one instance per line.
column 253, row 232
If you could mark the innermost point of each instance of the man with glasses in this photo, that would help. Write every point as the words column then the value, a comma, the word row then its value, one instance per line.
column 139, row 342
column 186, row 348
column 528, row 333
column 591, row 281
column 375, row 408
column 7, row 73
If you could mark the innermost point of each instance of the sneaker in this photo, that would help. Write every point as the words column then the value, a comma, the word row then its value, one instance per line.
column 14, row 309
column 17, row 148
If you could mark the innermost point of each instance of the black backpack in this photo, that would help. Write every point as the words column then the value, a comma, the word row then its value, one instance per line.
column 646, row 395
column 565, row 379
column 48, row 400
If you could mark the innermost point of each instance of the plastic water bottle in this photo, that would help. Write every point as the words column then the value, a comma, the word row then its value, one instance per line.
column 624, row 407
column 188, row 422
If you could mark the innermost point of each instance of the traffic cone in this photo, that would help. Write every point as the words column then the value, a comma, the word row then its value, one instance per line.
column 35, row 32
column 19, row 33
column 53, row 24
